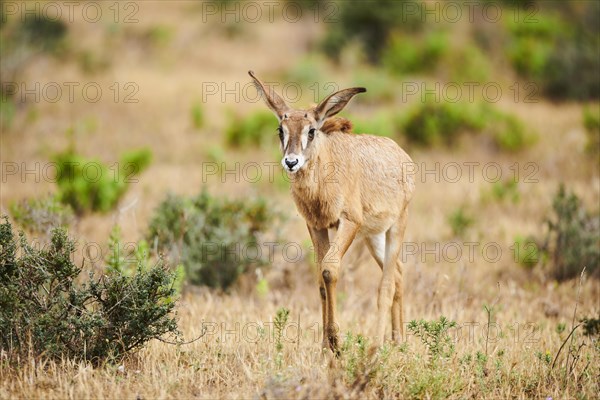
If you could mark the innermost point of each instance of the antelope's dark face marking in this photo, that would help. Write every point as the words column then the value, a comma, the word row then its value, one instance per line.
column 297, row 131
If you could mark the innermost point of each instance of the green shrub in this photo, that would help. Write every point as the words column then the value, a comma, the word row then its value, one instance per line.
column 215, row 238
column 45, row 313
column 591, row 327
column 253, row 130
column 42, row 32
column 507, row 131
column 90, row 185
column 591, row 121
column 573, row 239
column 434, row 335
column 369, row 23
column 460, row 221
column 467, row 64
column 432, row 123
column 41, row 215
column 404, row 54
column 558, row 49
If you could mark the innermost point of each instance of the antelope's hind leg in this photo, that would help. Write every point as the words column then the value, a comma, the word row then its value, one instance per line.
column 389, row 300
column 376, row 246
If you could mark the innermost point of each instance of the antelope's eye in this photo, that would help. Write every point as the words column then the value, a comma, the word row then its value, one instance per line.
column 311, row 134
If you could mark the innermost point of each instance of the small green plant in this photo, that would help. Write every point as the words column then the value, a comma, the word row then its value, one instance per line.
column 212, row 237
column 279, row 324
column 252, row 130
column 45, row 313
column 460, row 221
column 506, row 190
column 197, row 116
column 434, row 335
column 354, row 350
column 591, row 122
column 159, row 35
column 90, row 185
column 41, row 215
column 526, row 251
column 573, row 239
column 7, row 112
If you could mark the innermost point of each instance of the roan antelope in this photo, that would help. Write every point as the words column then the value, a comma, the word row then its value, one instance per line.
column 355, row 184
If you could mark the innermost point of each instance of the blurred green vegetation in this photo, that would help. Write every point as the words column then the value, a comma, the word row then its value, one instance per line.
column 197, row 114
column 370, row 24
column 215, row 238
column 25, row 38
column 558, row 49
column 91, row 185
column 433, row 123
column 40, row 215
column 591, row 122
column 555, row 46
column 251, row 130
column 380, row 124
column 409, row 54
column 573, row 239
column 460, row 221
column 526, row 251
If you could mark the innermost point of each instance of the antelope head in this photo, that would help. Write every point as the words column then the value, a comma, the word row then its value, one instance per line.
column 299, row 130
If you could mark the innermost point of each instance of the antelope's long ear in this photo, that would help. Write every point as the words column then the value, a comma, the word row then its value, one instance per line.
column 335, row 103
column 274, row 102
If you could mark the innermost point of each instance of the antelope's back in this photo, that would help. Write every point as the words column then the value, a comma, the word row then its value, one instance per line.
column 383, row 170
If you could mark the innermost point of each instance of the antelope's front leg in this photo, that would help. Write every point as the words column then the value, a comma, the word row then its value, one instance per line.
column 330, row 270
column 320, row 240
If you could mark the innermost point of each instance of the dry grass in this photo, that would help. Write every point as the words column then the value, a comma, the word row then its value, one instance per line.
column 234, row 360
column 231, row 361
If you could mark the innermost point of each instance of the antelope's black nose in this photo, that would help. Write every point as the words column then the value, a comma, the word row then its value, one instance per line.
column 291, row 164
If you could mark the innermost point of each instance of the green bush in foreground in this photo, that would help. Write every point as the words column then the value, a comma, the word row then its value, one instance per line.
column 45, row 313
column 216, row 239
